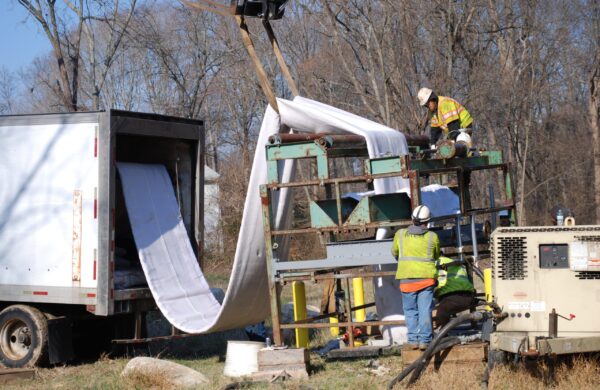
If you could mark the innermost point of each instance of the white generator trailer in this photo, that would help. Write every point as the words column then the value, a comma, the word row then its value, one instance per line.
column 68, row 260
column 547, row 281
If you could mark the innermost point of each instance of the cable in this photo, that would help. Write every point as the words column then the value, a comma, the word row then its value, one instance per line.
column 435, row 346
column 447, row 343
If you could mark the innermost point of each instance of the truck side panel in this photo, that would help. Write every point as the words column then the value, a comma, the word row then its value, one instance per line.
column 48, row 211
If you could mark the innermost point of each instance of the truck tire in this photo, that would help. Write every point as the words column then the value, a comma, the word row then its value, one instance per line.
column 23, row 337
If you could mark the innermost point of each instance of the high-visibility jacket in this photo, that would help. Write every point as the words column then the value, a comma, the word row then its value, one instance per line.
column 454, row 279
column 449, row 110
column 416, row 254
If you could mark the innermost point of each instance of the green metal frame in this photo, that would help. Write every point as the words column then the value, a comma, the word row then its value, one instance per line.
column 306, row 149
column 336, row 214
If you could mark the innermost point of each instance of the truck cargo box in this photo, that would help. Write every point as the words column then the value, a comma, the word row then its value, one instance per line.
column 65, row 236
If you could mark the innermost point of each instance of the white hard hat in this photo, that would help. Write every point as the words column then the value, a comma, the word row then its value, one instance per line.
column 466, row 138
column 424, row 95
column 421, row 214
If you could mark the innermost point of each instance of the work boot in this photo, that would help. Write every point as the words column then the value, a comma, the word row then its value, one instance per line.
column 410, row 346
column 423, row 346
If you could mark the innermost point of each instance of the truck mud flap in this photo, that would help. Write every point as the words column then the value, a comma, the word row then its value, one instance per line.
column 60, row 340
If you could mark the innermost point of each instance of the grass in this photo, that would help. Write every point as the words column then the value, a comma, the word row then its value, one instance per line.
column 105, row 374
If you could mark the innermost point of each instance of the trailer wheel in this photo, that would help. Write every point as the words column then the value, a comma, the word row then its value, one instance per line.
column 23, row 337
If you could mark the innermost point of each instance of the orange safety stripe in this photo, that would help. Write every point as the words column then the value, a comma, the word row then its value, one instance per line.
column 416, row 286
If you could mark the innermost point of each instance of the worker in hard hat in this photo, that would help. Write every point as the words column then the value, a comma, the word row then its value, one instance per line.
column 417, row 249
column 454, row 291
column 447, row 115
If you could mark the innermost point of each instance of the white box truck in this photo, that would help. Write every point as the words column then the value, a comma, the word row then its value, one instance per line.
column 68, row 260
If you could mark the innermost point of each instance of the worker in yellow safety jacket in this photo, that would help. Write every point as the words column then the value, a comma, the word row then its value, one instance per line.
column 447, row 115
column 454, row 291
column 417, row 249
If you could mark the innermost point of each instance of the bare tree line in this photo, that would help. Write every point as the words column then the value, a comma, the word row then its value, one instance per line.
column 528, row 71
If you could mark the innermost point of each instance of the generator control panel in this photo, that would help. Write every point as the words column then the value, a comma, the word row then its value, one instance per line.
column 554, row 256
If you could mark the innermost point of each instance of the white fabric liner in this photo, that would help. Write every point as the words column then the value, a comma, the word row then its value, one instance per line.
column 176, row 281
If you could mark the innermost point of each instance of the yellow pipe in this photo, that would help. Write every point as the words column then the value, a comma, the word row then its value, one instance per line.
column 487, row 286
column 334, row 330
column 299, row 297
column 359, row 299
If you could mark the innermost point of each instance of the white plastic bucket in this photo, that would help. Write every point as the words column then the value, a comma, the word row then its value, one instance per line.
column 242, row 358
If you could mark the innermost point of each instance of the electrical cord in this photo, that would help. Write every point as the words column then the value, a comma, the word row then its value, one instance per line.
column 439, row 343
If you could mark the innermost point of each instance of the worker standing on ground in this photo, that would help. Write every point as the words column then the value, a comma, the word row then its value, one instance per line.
column 454, row 290
column 447, row 115
column 417, row 249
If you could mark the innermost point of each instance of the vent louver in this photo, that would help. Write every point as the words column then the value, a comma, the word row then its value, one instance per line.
column 511, row 262
column 588, row 238
column 587, row 275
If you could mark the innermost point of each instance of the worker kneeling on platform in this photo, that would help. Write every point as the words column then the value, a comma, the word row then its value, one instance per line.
column 454, row 291
column 417, row 249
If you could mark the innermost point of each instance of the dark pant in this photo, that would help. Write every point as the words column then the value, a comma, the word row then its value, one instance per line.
column 451, row 304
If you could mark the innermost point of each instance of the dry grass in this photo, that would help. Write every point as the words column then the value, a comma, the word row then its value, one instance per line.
column 105, row 374
column 581, row 373
column 147, row 381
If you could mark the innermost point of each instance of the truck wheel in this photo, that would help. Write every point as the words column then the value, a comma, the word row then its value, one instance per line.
column 23, row 337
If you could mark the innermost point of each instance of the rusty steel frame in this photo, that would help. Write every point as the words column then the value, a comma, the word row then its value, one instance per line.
column 283, row 138
column 277, row 279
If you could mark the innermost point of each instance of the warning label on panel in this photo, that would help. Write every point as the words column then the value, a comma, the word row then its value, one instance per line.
column 584, row 256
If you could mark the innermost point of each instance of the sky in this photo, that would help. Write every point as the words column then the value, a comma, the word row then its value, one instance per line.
column 21, row 40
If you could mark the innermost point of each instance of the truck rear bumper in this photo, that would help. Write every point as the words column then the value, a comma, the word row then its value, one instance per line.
column 520, row 343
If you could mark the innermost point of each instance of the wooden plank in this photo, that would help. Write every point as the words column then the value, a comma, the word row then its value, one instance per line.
column 459, row 354
column 353, row 353
column 283, row 357
column 365, row 351
column 8, row 375
column 279, row 55
column 279, row 367
column 263, row 79
column 216, row 8
column 272, row 375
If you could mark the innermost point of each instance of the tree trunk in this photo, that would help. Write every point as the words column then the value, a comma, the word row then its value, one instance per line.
column 594, row 107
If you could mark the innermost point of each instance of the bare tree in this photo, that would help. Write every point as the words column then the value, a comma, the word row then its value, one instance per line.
column 8, row 91
column 114, row 25
column 594, row 99
column 65, row 47
column 180, row 58
column 522, row 68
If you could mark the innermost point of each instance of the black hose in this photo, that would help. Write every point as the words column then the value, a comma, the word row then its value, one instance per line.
column 447, row 343
column 477, row 271
column 421, row 362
